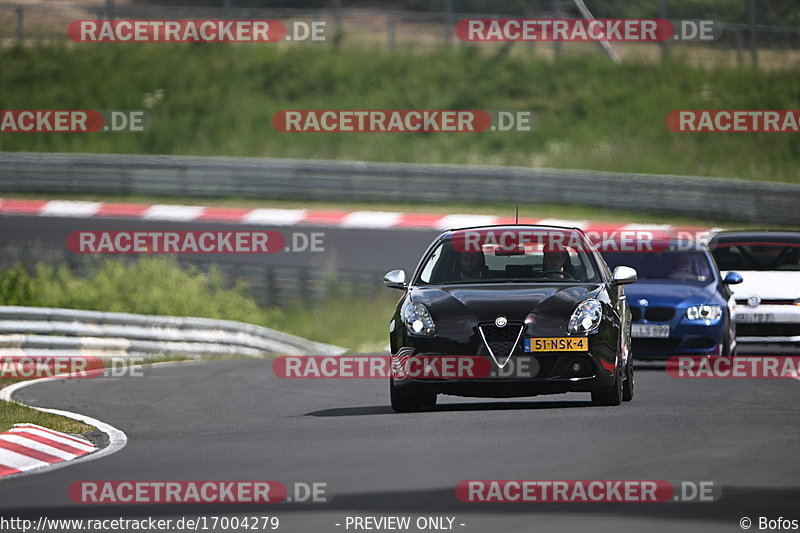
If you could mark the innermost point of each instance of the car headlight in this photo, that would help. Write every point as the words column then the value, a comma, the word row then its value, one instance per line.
column 704, row 312
column 586, row 317
column 418, row 319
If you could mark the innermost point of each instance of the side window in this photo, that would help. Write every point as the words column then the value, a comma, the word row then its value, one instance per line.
column 603, row 265
column 427, row 272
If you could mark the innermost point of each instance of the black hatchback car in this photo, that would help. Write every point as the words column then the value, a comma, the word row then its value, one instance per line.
column 536, row 305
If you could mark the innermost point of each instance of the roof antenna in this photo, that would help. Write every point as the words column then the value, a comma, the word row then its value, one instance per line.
column 516, row 218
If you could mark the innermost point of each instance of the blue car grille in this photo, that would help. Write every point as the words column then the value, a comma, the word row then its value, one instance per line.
column 659, row 314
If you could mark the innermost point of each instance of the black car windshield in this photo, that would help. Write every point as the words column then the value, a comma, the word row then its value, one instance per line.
column 527, row 261
column 767, row 254
column 689, row 266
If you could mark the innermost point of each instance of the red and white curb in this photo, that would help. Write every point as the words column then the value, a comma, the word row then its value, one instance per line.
column 28, row 447
column 292, row 217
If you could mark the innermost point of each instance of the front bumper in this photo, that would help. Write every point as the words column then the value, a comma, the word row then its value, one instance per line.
column 686, row 337
column 524, row 375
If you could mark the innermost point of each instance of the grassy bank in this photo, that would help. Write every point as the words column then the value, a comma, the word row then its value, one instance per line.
column 219, row 100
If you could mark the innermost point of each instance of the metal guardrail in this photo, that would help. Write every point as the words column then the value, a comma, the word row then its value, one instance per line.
column 42, row 331
column 112, row 174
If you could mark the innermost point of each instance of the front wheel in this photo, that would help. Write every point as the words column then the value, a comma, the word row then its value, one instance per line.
column 728, row 348
column 627, row 385
column 611, row 396
column 409, row 403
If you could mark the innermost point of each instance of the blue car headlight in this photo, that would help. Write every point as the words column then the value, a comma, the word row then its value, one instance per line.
column 704, row 312
column 586, row 317
column 418, row 319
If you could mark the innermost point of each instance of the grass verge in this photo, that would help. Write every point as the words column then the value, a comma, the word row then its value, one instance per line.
column 220, row 100
column 13, row 413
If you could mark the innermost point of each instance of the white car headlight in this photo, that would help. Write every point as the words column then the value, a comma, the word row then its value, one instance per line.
column 704, row 312
column 586, row 317
column 418, row 319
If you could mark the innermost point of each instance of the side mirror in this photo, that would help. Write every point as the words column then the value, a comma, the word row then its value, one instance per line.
column 396, row 279
column 624, row 275
column 732, row 278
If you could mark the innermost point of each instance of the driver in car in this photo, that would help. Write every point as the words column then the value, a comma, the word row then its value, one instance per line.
column 553, row 265
column 684, row 268
column 470, row 265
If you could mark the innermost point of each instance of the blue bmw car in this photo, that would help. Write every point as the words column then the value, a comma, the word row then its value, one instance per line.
column 681, row 305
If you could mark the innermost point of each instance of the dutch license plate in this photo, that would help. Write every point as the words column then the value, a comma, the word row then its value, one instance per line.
column 557, row 344
column 649, row 331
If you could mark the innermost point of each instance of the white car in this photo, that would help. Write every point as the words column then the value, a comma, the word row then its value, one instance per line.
column 768, row 299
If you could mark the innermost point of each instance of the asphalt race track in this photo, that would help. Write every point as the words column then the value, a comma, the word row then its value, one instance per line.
column 228, row 420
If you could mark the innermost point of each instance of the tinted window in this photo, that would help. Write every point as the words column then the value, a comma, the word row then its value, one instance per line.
column 447, row 264
column 692, row 266
column 764, row 255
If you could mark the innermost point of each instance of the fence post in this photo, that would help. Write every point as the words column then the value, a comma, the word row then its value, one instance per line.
column 337, row 23
column 557, row 15
column 391, row 23
column 448, row 23
column 663, row 12
column 226, row 8
column 111, row 9
column 739, row 48
column 20, row 23
column 529, row 15
column 751, row 21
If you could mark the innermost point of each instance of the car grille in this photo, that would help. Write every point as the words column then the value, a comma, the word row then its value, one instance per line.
column 653, row 314
column 768, row 302
column 768, row 330
column 659, row 314
column 503, row 341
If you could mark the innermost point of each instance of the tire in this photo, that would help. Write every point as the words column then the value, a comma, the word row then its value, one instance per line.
column 409, row 403
column 727, row 349
column 627, row 385
column 610, row 396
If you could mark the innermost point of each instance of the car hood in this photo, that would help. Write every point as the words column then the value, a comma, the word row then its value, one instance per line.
column 669, row 293
column 515, row 301
column 769, row 285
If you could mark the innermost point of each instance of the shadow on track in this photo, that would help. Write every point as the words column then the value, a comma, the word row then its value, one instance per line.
column 451, row 407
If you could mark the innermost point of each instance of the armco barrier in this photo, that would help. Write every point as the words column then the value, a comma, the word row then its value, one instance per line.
column 42, row 331
column 713, row 198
